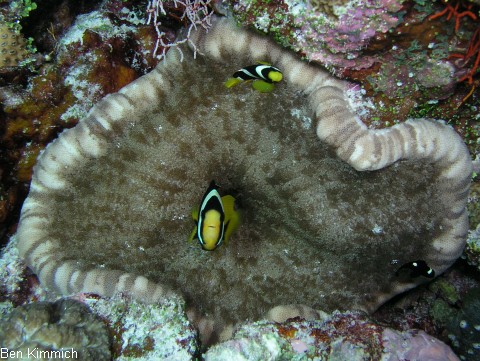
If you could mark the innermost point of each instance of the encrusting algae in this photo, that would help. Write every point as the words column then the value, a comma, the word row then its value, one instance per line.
column 108, row 209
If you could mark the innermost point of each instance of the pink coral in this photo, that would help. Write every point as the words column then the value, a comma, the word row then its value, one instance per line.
column 415, row 345
column 339, row 42
column 336, row 40
column 339, row 336
column 299, row 346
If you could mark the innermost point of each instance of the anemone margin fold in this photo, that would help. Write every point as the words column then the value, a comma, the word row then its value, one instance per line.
column 364, row 149
column 428, row 140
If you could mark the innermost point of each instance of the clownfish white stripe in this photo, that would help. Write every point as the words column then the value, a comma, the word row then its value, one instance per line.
column 211, row 227
column 215, row 219
column 255, row 72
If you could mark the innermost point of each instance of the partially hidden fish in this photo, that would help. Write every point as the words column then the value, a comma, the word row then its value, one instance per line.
column 415, row 269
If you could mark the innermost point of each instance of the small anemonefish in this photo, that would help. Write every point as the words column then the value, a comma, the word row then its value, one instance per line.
column 215, row 219
column 263, row 75
column 415, row 269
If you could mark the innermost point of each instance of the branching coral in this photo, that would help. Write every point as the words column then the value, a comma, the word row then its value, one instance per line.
column 453, row 11
column 473, row 52
column 108, row 209
column 193, row 13
column 459, row 10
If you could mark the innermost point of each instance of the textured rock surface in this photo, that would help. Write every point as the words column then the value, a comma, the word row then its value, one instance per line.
column 347, row 336
column 464, row 329
column 146, row 332
column 336, row 36
column 65, row 328
column 472, row 250
column 121, row 184
column 137, row 331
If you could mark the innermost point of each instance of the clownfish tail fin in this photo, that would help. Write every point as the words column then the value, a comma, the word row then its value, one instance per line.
column 231, row 82
column 193, row 235
column 232, row 216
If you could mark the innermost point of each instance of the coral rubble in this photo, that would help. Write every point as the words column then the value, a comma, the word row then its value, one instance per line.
column 472, row 250
column 145, row 332
column 137, row 331
column 339, row 336
column 464, row 329
column 47, row 331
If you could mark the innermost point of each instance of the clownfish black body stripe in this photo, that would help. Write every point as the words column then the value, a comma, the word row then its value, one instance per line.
column 211, row 227
column 215, row 219
column 253, row 72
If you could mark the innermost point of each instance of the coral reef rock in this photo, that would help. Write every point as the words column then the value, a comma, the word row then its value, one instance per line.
column 464, row 330
column 146, row 332
column 339, row 336
column 18, row 285
column 334, row 34
column 109, row 205
column 472, row 250
column 44, row 331
column 12, row 47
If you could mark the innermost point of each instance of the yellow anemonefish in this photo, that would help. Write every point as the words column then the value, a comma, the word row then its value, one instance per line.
column 215, row 219
column 263, row 75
